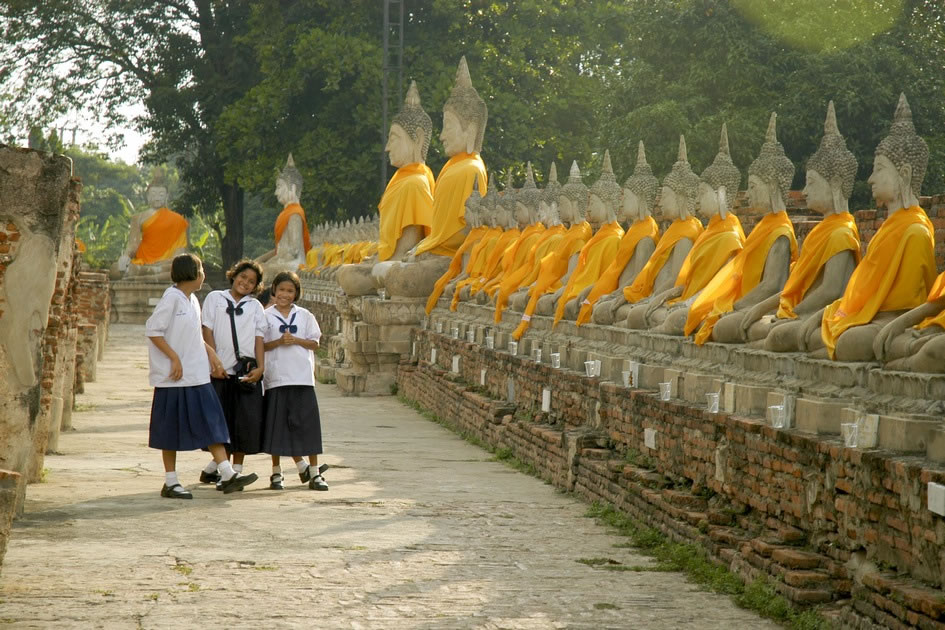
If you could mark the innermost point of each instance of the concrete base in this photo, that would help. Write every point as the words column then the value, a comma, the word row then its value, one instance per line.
column 133, row 302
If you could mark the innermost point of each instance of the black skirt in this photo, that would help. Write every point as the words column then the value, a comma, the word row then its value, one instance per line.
column 292, row 425
column 186, row 419
column 244, row 410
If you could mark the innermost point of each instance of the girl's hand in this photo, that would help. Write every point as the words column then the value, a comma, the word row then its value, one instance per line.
column 253, row 376
column 177, row 370
column 287, row 338
column 217, row 370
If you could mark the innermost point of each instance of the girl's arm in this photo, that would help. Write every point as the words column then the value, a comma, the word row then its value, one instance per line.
column 177, row 370
column 288, row 339
column 208, row 337
column 257, row 373
column 216, row 365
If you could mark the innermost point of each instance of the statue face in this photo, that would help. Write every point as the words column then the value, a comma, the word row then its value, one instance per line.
column 401, row 149
column 453, row 136
column 157, row 196
column 759, row 194
column 522, row 215
column 285, row 193
column 596, row 210
column 885, row 180
column 566, row 209
column 669, row 205
column 632, row 209
column 818, row 192
column 708, row 201
column 544, row 212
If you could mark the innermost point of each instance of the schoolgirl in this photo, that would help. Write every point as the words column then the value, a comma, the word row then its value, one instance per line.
column 185, row 413
column 231, row 317
column 292, row 425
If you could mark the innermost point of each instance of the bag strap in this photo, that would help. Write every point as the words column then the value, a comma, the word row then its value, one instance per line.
column 236, row 344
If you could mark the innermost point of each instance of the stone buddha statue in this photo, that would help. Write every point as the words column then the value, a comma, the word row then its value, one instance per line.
column 898, row 271
column 489, row 211
column 406, row 207
column 761, row 268
column 601, row 249
column 713, row 248
column 677, row 203
column 155, row 237
column 829, row 253
column 291, row 228
column 636, row 246
column 915, row 341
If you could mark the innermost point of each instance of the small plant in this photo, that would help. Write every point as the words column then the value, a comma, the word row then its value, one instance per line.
column 80, row 407
column 394, row 388
column 183, row 569
column 44, row 475
column 153, row 597
column 193, row 587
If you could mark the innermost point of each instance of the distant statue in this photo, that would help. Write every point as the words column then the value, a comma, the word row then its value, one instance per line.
column 155, row 236
column 291, row 228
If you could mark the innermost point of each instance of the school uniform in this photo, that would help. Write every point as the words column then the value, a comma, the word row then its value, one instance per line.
column 185, row 414
column 242, row 403
column 292, row 425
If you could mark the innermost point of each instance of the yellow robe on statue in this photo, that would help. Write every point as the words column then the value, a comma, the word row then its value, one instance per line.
column 644, row 228
column 479, row 255
column 528, row 270
column 456, row 265
column 936, row 293
column 739, row 276
column 721, row 239
column 642, row 285
column 489, row 261
column 453, row 185
column 407, row 200
column 494, row 265
column 162, row 234
column 515, row 255
column 896, row 274
column 551, row 269
column 595, row 256
column 835, row 234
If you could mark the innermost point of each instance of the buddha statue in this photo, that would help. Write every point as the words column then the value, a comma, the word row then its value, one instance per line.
column 713, row 248
column 489, row 211
column 291, row 228
column 915, row 341
column 406, row 207
column 760, row 269
column 828, row 256
column 556, row 268
column 637, row 244
column 677, row 203
column 898, row 271
column 155, row 236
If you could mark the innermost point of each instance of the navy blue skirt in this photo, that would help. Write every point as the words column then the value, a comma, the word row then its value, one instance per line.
column 292, row 424
column 244, row 410
column 186, row 418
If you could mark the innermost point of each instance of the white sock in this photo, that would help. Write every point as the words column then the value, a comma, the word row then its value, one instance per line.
column 225, row 468
column 211, row 467
column 277, row 470
column 238, row 468
column 170, row 479
column 302, row 465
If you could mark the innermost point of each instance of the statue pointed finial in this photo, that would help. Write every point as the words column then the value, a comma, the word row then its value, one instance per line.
column 830, row 122
column 575, row 171
column 683, row 155
column 772, row 134
column 290, row 163
column 529, row 176
column 508, row 181
column 491, row 188
column 413, row 95
column 553, row 173
column 903, row 111
column 723, row 140
column 608, row 167
column 462, row 74
column 641, row 154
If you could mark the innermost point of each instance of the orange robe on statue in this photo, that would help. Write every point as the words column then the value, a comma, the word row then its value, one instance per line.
column 456, row 265
column 162, row 234
column 595, row 256
column 282, row 222
column 527, row 272
column 515, row 256
column 453, row 185
column 936, row 293
column 642, row 285
column 897, row 273
column 721, row 239
column 407, row 200
column 488, row 262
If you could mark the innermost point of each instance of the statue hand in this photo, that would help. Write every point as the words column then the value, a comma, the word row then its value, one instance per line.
column 123, row 262
column 751, row 316
column 882, row 344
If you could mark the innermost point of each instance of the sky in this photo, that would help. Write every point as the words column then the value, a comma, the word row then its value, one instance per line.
column 90, row 131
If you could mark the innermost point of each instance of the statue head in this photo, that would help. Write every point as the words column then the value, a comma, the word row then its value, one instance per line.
column 830, row 171
column 528, row 196
column 900, row 162
column 678, row 198
column 288, row 183
column 410, row 132
column 770, row 175
column 472, row 214
column 464, row 116
column 719, row 183
column 548, row 202
column 604, row 194
column 639, row 191
column 489, row 207
column 509, row 203
column 572, row 202
column 156, row 194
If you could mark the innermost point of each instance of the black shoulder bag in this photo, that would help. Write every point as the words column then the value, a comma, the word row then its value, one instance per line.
column 244, row 365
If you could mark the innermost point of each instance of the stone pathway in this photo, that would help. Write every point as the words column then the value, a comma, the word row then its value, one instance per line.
column 419, row 530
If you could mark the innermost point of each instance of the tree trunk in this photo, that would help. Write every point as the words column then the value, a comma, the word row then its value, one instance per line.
column 232, row 244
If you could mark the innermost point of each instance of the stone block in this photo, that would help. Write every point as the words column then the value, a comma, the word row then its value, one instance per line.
column 818, row 416
column 908, row 435
column 695, row 386
column 650, row 376
column 750, row 400
column 935, row 450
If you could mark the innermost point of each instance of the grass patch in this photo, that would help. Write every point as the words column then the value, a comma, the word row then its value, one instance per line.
column 506, row 456
column 265, row 567
column 183, row 569
column 104, row 593
column 80, row 407
column 193, row 587
column 321, row 353
column 394, row 388
column 44, row 475
column 327, row 381
column 154, row 597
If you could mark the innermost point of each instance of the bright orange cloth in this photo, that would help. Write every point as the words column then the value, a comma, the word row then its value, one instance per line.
column 453, row 185
column 488, row 262
column 516, row 255
column 407, row 200
column 739, row 276
column 642, row 285
column 835, row 234
column 936, row 293
column 80, row 245
column 494, row 264
column 527, row 271
column 282, row 222
column 644, row 228
column 595, row 256
column 162, row 234
column 722, row 239
column 551, row 269
column 456, row 265
column 896, row 274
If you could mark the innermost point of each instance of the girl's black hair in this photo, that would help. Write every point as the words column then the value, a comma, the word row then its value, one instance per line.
column 242, row 266
column 287, row 276
column 185, row 267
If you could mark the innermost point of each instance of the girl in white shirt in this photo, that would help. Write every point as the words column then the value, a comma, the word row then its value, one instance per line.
column 292, row 424
column 185, row 413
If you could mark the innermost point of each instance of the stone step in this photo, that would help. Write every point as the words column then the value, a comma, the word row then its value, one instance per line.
column 929, row 601
column 685, row 500
column 797, row 559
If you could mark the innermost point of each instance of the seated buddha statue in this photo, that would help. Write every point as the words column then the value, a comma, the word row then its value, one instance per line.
column 637, row 244
column 829, row 253
column 713, row 248
column 915, row 341
column 493, row 218
column 291, row 228
column 406, row 207
column 898, row 271
column 461, row 259
column 677, row 203
column 760, row 269
column 155, row 237
column 464, row 125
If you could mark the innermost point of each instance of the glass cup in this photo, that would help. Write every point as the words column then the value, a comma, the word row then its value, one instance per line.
column 626, row 378
column 439, row 327
column 556, row 360
column 490, row 342
column 712, row 404
column 665, row 391
column 596, row 368
column 777, row 416
column 470, row 335
column 536, row 354
column 455, row 332
column 589, row 368
column 382, row 294
column 851, row 433
column 513, row 347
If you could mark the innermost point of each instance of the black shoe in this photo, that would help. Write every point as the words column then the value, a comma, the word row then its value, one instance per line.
column 237, row 482
column 317, row 483
column 176, row 491
column 322, row 468
column 206, row 477
column 275, row 482
column 306, row 475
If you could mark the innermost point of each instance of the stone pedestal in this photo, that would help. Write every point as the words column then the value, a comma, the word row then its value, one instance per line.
column 133, row 301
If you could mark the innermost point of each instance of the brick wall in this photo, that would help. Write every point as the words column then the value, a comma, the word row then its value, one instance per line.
column 92, row 306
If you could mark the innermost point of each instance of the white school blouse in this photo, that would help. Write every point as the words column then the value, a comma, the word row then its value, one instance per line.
column 250, row 324
column 177, row 319
column 290, row 365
